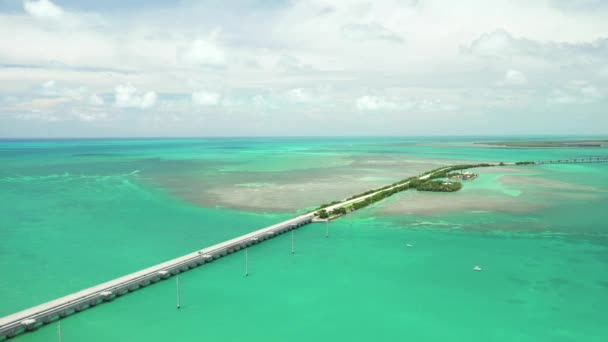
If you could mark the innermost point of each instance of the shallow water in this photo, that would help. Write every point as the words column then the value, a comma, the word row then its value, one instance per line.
column 77, row 213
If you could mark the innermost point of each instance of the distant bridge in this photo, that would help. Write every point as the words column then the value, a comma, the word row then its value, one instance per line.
column 581, row 160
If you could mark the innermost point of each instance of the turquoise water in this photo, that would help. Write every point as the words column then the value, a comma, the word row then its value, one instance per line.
column 76, row 213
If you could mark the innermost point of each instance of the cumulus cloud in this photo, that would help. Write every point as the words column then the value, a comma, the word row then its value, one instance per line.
column 500, row 44
column 514, row 78
column 289, row 63
column 582, row 5
column 493, row 44
column 89, row 115
column 127, row 96
column 380, row 103
column 376, row 103
column 576, row 92
column 299, row 95
column 96, row 100
column 264, row 102
column 53, row 89
column 202, row 52
column 206, row 98
column 44, row 9
column 320, row 57
column 45, row 104
column 48, row 84
column 370, row 32
column 589, row 91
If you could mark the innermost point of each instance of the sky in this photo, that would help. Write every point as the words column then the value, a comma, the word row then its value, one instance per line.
column 136, row 68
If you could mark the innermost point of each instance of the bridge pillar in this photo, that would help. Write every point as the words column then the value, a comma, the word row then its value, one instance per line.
column 106, row 296
column 29, row 324
column 11, row 333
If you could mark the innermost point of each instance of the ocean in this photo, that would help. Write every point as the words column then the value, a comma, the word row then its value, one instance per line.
column 76, row 213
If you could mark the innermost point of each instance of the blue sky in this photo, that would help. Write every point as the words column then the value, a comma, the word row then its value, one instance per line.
column 315, row 67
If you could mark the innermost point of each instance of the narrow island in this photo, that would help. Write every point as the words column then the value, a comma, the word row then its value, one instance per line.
column 443, row 179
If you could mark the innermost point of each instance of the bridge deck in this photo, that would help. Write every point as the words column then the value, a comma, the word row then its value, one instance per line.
column 582, row 160
column 44, row 311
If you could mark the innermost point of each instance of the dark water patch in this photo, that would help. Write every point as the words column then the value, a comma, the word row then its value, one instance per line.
column 519, row 281
column 531, row 264
column 99, row 155
column 542, row 287
column 575, row 259
column 401, row 144
column 516, row 301
column 234, row 147
column 603, row 283
column 560, row 283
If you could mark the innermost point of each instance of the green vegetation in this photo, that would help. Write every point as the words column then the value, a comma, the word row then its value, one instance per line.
column 453, row 174
column 325, row 205
column 323, row 214
column 362, row 194
column 339, row 211
column 443, row 172
column 525, row 163
column 439, row 186
column 402, row 185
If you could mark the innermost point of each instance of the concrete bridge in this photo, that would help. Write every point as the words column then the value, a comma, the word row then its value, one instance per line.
column 593, row 159
column 36, row 316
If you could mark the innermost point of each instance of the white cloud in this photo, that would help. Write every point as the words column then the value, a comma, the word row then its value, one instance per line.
column 590, row 92
column 263, row 102
column 48, row 84
column 44, row 9
column 514, row 78
column 435, row 106
column 54, row 89
column 370, row 32
column 206, row 98
column 148, row 100
column 96, row 100
column 576, row 92
column 281, row 57
column 127, row 96
column 502, row 45
column 380, row 103
column 376, row 103
column 202, row 52
column 89, row 116
column 584, row 5
column 497, row 43
column 299, row 95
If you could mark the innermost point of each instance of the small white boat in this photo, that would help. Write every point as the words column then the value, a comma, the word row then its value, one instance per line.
column 408, row 245
column 477, row 268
